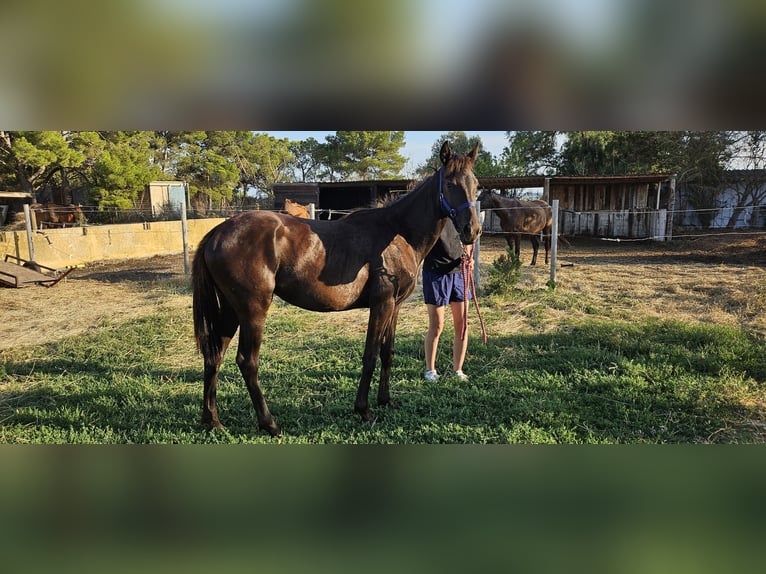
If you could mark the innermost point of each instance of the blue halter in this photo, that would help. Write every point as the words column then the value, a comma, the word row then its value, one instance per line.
column 452, row 212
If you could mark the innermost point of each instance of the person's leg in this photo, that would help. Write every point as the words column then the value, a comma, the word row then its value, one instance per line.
column 435, row 326
column 459, row 344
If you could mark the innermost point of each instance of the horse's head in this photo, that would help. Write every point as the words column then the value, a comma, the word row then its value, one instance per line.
column 457, row 192
column 296, row 209
column 486, row 197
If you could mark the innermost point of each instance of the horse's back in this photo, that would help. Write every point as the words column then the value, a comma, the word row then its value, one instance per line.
column 311, row 264
column 523, row 216
column 252, row 237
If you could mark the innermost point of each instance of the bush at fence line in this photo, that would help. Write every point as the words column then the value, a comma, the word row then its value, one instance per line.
column 504, row 274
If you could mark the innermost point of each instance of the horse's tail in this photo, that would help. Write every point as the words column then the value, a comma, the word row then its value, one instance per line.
column 206, row 306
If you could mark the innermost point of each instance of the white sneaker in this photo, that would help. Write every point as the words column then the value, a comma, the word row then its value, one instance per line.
column 461, row 375
column 432, row 376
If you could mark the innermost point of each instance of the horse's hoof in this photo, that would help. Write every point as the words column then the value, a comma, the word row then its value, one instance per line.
column 390, row 404
column 366, row 415
column 212, row 423
column 272, row 428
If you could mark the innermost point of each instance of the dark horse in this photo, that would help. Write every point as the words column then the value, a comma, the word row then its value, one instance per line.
column 368, row 259
column 521, row 218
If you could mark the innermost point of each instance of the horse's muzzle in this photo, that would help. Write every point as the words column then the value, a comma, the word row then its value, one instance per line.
column 470, row 230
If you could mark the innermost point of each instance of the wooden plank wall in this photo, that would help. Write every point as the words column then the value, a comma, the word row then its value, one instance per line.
column 624, row 223
column 603, row 197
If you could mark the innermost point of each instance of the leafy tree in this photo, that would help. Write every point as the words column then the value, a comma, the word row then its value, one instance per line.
column 365, row 154
column 204, row 162
column 485, row 164
column 307, row 159
column 530, row 153
column 26, row 157
column 268, row 160
column 62, row 182
column 330, row 160
column 690, row 154
column 587, row 153
column 166, row 148
column 122, row 169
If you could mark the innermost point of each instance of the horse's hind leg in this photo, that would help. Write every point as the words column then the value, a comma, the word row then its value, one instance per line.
column 386, row 360
column 227, row 327
column 248, row 359
column 535, row 246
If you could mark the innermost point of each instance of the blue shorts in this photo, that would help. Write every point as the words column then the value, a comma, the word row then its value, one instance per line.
column 441, row 290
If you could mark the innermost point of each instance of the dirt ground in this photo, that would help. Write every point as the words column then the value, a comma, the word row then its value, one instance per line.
column 720, row 278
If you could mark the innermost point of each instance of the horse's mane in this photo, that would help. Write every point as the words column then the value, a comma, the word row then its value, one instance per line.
column 456, row 164
column 502, row 201
column 391, row 198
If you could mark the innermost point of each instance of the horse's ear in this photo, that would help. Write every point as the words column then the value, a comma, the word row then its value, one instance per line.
column 445, row 153
column 474, row 152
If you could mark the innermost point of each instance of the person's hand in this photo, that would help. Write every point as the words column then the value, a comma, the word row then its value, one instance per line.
column 468, row 259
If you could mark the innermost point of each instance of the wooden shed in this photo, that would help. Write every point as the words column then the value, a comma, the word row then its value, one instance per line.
column 303, row 193
column 163, row 196
column 617, row 206
column 12, row 202
column 331, row 198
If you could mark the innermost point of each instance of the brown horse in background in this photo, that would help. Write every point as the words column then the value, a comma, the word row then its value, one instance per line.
column 368, row 259
column 296, row 209
column 521, row 218
column 53, row 215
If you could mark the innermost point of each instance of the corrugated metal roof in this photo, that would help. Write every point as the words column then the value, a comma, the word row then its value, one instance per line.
column 512, row 182
column 506, row 182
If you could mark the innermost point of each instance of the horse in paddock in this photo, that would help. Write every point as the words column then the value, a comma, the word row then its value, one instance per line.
column 521, row 218
column 54, row 215
column 296, row 209
column 368, row 259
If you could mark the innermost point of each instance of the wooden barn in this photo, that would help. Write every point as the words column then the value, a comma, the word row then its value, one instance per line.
column 12, row 203
column 338, row 198
column 619, row 206
column 303, row 193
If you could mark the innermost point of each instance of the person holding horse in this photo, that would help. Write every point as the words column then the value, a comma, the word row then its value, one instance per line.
column 444, row 285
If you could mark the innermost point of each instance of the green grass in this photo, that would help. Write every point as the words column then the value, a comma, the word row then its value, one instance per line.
column 591, row 380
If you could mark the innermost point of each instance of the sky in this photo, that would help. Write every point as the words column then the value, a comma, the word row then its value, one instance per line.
column 418, row 144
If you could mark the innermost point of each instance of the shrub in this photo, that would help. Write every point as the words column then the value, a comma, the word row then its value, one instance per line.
column 504, row 274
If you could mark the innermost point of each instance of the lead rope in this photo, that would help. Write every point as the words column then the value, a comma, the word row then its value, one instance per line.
column 470, row 288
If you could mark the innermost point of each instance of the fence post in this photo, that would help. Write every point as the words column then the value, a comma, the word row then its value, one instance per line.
column 185, row 237
column 477, row 249
column 30, row 243
column 554, row 240
column 312, row 211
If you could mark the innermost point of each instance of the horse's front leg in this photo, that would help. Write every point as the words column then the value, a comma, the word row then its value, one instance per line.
column 379, row 318
column 547, row 247
column 386, row 360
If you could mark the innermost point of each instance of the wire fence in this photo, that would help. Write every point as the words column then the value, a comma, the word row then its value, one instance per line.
column 166, row 233
column 94, row 215
column 616, row 225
